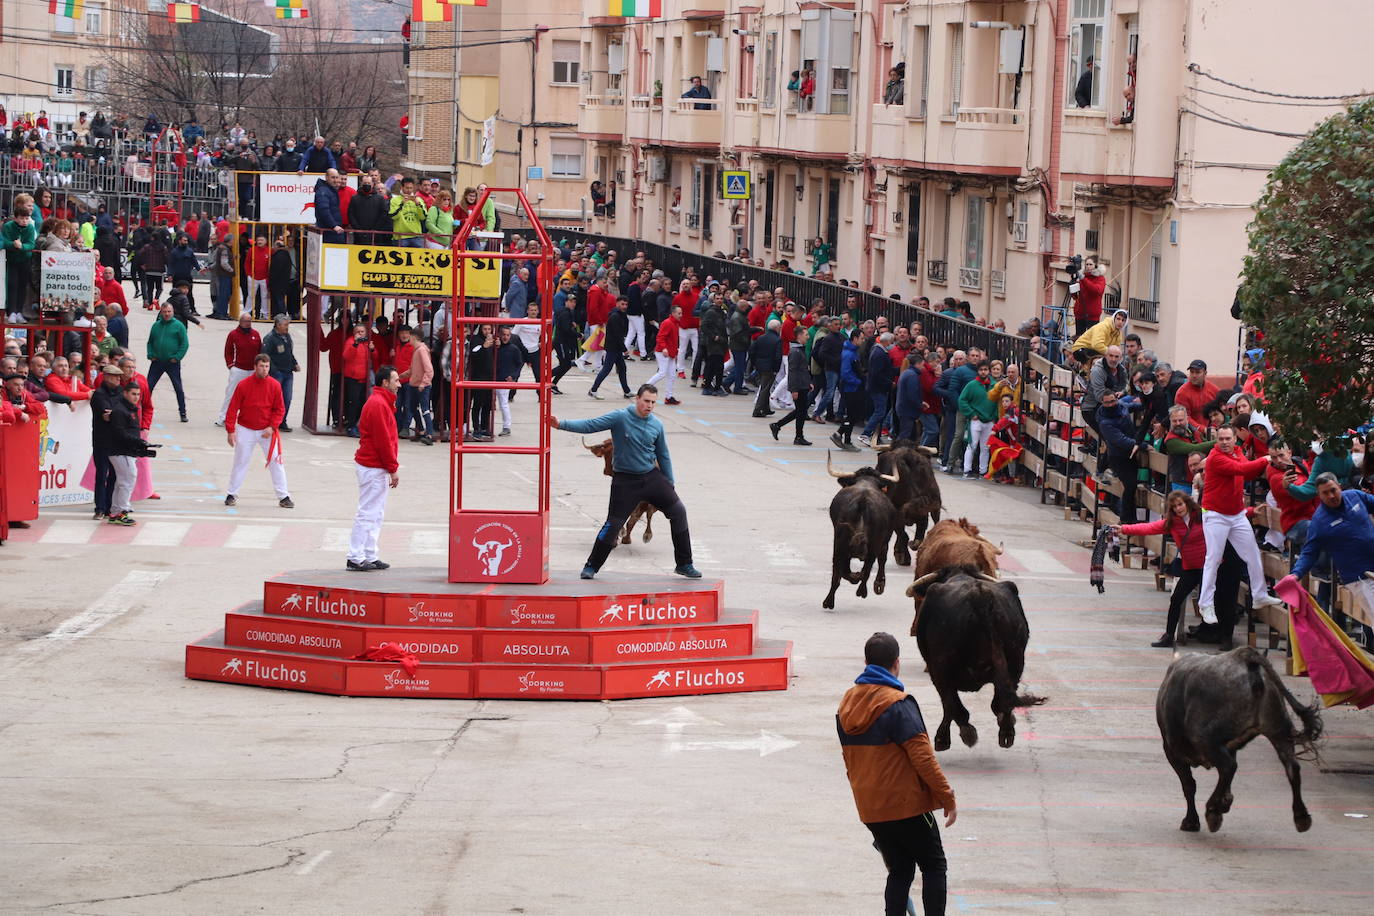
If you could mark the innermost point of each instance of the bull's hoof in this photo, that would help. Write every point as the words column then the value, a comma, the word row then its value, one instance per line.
column 1213, row 821
column 625, row 539
column 969, row 735
column 878, row 586
column 829, row 603
column 863, row 590
column 1006, row 739
column 1190, row 824
column 648, row 536
column 902, row 559
column 1303, row 822
column 942, row 741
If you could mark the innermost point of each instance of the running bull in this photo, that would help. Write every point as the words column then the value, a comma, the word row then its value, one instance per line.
column 605, row 450
column 973, row 632
column 951, row 543
column 1211, row 706
column 864, row 519
column 915, row 495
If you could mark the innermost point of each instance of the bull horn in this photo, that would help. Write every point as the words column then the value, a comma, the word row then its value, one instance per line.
column 829, row 469
column 1001, row 548
column 890, row 478
column 986, row 578
column 927, row 449
column 882, row 448
column 924, row 580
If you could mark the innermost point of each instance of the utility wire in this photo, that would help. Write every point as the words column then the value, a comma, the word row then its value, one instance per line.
column 1194, row 68
column 1241, row 98
column 1239, row 126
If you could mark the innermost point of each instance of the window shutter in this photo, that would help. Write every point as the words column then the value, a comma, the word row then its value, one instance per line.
column 956, row 69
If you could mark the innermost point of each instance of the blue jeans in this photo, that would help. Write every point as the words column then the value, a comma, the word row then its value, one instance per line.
column 414, row 241
column 614, row 360
column 875, row 420
column 736, row 381
column 224, row 291
column 825, row 404
column 412, row 402
column 172, row 369
column 930, row 426
column 284, row 379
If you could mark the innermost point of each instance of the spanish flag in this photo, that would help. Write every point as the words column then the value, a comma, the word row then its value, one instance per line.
column 431, row 11
column 466, row 2
column 637, row 9
column 183, row 12
column 69, row 9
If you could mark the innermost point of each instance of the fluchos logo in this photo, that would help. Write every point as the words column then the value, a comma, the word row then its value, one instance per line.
column 498, row 548
column 694, row 678
column 398, row 680
column 612, row 613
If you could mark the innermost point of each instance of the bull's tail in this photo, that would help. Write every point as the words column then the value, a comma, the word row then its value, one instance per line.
column 1029, row 699
column 1308, row 738
column 858, row 538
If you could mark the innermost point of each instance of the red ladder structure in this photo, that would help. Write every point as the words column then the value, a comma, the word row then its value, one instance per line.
column 167, row 189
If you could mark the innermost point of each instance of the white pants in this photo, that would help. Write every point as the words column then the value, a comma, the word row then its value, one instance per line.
column 503, row 402
column 978, row 433
column 667, row 373
column 245, row 442
column 634, row 340
column 367, row 523
column 1219, row 529
column 685, row 336
column 126, row 473
column 236, row 375
column 251, row 306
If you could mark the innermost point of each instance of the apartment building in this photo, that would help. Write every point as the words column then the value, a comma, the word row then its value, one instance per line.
column 1027, row 131
column 52, row 63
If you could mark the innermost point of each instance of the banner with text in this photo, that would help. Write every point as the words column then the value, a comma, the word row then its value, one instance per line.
column 289, row 198
column 67, row 279
column 388, row 271
column 64, row 450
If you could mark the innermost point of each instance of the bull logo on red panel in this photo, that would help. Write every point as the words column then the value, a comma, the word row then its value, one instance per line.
column 498, row 548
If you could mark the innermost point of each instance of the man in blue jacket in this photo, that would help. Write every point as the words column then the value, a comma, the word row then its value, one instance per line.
column 880, row 379
column 328, row 215
column 317, row 158
column 949, row 387
column 1343, row 530
column 643, row 472
column 1117, row 429
column 852, row 394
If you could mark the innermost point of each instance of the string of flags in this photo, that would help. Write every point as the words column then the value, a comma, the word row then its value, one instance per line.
column 439, row 10
column 637, row 9
column 68, row 9
column 289, row 9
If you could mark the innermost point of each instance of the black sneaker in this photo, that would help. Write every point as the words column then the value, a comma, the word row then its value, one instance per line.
column 800, row 441
column 588, row 572
column 355, row 566
column 183, row 419
column 425, row 440
column 284, row 428
column 773, row 428
column 378, row 565
column 688, row 570
column 231, row 500
column 1164, row 642
column 286, row 503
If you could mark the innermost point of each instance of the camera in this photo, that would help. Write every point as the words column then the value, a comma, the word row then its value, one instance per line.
column 1074, row 267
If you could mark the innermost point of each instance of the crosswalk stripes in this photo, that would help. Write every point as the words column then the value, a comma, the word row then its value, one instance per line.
column 259, row 537
column 160, row 534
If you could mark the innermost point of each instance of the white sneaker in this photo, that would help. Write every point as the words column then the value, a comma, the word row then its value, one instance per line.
column 1209, row 613
column 1265, row 600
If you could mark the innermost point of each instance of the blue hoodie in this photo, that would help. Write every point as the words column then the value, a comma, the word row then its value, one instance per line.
column 850, row 381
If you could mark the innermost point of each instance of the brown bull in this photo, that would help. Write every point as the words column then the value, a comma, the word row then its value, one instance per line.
column 950, row 543
column 605, row 450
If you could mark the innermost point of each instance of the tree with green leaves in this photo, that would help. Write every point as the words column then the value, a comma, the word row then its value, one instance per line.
column 1308, row 282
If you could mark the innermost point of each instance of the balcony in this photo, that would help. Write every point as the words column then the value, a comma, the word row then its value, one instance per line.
column 894, row 131
column 645, row 116
column 602, row 114
column 692, row 122
column 1093, row 145
column 787, row 243
column 830, row 135
column 937, row 271
column 988, row 137
column 997, row 280
column 1144, row 310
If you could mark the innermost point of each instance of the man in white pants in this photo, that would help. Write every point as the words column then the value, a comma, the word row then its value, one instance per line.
column 255, row 412
column 241, row 347
column 377, row 467
column 665, row 351
column 1224, row 521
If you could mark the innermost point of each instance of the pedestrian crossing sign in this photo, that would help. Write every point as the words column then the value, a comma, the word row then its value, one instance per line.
column 734, row 185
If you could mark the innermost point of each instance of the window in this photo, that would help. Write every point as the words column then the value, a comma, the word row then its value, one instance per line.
column 94, row 25
column 566, row 153
column 918, row 73
column 615, row 68
column 1083, row 82
column 1156, row 261
column 769, row 206
column 567, row 62
column 64, row 26
column 417, row 120
column 63, row 81
column 470, row 144
column 827, row 46
column 956, row 69
column 96, row 79
column 974, row 225
column 770, row 70
column 913, row 229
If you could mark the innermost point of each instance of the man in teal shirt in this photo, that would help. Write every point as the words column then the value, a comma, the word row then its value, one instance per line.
column 643, row 472
column 167, row 346
column 980, row 413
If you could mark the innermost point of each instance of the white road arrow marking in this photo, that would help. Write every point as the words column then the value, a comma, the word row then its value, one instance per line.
column 766, row 743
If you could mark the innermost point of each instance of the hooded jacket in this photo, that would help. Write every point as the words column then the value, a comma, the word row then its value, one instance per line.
column 367, row 214
column 887, row 755
column 377, row 432
column 327, row 211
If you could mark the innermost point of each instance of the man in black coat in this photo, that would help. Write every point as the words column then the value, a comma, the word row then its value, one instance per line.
column 828, row 355
column 103, row 402
column 765, row 355
column 617, row 327
column 367, row 216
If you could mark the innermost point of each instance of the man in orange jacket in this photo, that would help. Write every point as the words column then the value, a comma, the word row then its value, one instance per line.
column 895, row 778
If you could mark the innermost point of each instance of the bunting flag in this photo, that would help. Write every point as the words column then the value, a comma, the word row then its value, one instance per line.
column 183, row 12
column 286, row 13
column 466, row 2
column 69, row 9
column 287, row 4
column 431, row 11
column 637, row 9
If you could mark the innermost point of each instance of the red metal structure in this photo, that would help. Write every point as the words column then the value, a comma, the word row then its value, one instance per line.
column 490, row 544
column 168, row 186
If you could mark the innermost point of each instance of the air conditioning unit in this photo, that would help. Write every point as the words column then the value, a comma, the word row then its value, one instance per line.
column 658, row 168
column 1020, row 232
column 896, row 217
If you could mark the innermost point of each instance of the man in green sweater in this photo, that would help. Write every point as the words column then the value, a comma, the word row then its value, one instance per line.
column 19, row 234
column 167, row 346
column 980, row 412
column 407, row 216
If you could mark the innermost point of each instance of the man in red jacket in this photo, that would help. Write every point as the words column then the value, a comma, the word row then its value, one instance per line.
column 378, row 470
column 1197, row 394
column 332, row 344
column 255, row 411
column 688, row 335
column 112, row 291
column 357, row 369
column 241, row 346
column 1224, row 521
column 1087, row 304
column 665, row 351
column 599, row 305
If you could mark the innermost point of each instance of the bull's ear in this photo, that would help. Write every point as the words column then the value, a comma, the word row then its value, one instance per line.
column 847, row 480
column 1012, row 585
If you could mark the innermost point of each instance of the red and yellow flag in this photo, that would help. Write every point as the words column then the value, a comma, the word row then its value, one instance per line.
column 431, row 11
column 183, row 12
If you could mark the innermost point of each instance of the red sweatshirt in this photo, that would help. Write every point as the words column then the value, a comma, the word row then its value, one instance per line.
column 1088, row 304
column 666, row 342
column 1187, row 534
column 111, row 291
column 241, row 348
column 333, row 343
column 357, row 359
column 688, row 303
column 1291, row 511
column 71, row 387
column 401, row 358
column 377, row 432
column 258, row 258
column 757, row 316
column 383, row 345
column 599, row 305
column 145, row 408
column 257, row 404
column 1223, row 482
column 1195, row 398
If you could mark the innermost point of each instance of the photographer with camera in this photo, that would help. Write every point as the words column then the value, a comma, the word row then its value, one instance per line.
column 1087, row 302
column 126, row 445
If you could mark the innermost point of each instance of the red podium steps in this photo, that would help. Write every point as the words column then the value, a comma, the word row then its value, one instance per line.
column 571, row 639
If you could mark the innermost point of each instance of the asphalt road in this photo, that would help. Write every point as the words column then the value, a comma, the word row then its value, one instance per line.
column 132, row 790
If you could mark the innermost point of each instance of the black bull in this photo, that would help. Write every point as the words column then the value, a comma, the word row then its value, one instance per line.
column 972, row 632
column 863, row 518
column 1210, row 706
column 916, row 495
